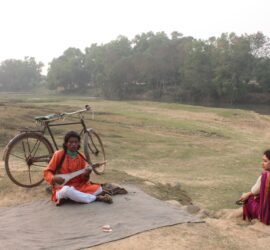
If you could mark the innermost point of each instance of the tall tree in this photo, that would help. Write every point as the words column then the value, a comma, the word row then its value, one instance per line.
column 68, row 71
column 234, row 68
column 20, row 75
column 110, row 66
column 198, row 71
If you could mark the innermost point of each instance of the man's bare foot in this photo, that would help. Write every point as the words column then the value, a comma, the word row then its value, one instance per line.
column 105, row 198
column 59, row 202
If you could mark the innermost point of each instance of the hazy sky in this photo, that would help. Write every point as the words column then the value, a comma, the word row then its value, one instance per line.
column 45, row 28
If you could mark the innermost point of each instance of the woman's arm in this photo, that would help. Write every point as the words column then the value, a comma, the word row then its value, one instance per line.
column 255, row 190
column 245, row 196
column 257, row 186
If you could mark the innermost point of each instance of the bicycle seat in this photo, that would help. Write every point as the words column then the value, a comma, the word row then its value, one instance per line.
column 48, row 117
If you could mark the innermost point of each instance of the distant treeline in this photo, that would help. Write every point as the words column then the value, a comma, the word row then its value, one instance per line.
column 225, row 69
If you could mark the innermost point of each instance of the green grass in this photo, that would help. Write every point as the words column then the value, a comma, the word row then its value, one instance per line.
column 214, row 153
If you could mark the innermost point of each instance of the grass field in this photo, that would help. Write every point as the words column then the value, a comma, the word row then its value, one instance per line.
column 175, row 151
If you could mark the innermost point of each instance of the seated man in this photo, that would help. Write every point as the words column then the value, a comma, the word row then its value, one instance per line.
column 67, row 161
column 257, row 201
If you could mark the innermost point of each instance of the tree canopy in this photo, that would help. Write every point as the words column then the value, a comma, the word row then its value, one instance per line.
column 226, row 69
column 20, row 75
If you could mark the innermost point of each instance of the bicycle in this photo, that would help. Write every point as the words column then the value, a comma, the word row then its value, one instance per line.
column 28, row 153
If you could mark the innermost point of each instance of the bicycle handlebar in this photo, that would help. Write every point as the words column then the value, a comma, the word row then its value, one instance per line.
column 87, row 108
column 52, row 117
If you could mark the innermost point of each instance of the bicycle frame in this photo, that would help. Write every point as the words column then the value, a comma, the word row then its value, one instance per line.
column 92, row 145
column 47, row 126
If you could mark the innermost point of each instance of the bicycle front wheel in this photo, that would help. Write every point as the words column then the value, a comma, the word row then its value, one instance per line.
column 94, row 150
column 26, row 157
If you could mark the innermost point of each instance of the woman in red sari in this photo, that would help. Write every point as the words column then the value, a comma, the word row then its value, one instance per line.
column 257, row 201
column 69, row 160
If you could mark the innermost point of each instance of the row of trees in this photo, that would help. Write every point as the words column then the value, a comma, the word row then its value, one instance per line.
column 152, row 65
column 20, row 75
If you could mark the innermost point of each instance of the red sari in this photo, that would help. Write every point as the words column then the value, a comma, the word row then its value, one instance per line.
column 258, row 207
column 69, row 165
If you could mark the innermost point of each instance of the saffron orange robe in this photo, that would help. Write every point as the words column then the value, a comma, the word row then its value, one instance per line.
column 81, row 182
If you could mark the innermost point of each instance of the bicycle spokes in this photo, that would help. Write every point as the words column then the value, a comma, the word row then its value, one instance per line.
column 94, row 151
column 31, row 151
column 29, row 174
column 27, row 156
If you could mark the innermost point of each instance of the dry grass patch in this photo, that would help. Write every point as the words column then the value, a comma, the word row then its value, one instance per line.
column 213, row 153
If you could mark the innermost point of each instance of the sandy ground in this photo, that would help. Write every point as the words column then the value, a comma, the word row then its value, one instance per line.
column 226, row 232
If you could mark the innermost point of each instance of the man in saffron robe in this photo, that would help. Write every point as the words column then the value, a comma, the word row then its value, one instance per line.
column 67, row 161
column 257, row 201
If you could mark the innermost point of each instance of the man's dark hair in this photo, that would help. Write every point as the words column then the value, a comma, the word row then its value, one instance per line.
column 267, row 153
column 69, row 135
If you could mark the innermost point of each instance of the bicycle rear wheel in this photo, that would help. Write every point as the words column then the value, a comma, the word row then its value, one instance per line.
column 94, row 150
column 26, row 157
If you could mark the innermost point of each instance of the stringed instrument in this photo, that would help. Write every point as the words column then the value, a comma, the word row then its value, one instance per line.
column 69, row 176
